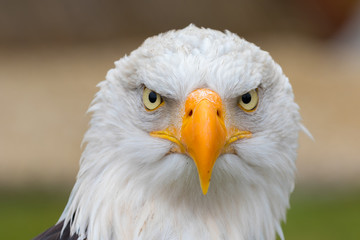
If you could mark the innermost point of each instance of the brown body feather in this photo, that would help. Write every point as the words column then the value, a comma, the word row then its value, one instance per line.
column 54, row 233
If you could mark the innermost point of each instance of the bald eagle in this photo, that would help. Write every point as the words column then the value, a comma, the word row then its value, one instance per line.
column 192, row 136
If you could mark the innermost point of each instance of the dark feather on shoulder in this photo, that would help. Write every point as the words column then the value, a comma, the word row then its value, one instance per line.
column 54, row 233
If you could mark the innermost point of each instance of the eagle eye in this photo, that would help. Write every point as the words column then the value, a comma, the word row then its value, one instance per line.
column 249, row 101
column 152, row 100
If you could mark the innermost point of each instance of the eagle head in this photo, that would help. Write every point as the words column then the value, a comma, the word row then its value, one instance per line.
column 192, row 136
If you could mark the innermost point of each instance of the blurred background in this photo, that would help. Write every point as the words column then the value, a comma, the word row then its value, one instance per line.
column 54, row 52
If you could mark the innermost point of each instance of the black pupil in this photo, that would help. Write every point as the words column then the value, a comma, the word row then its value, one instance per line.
column 246, row 98
column 152, row 97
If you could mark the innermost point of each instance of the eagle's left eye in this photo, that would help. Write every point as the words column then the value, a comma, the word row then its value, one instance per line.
column 152, row 100
column 249, row 101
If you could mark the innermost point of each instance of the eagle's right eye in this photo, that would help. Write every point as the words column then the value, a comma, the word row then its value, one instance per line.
column 152, row 100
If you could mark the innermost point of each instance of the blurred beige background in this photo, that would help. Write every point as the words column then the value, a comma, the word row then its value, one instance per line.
column 53, row 53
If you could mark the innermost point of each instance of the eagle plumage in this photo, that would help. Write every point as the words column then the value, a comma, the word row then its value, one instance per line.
column 192, row 136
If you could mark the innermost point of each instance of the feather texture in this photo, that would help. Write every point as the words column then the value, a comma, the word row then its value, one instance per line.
column 130, row 185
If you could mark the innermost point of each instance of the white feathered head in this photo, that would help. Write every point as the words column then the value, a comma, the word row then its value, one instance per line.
column 187, row 106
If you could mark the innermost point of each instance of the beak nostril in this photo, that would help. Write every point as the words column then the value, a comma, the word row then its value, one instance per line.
column 190, row 113
column 218, row 113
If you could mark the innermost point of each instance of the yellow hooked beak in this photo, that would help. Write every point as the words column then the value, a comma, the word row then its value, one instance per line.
column 203, row 134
